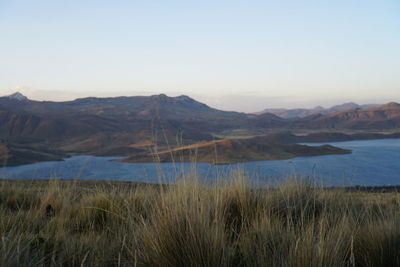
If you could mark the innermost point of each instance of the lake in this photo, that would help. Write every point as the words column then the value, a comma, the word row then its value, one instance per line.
column 373, row 162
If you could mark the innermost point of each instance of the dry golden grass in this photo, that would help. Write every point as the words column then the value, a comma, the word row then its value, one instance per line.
column 225, row 142
column 194, row 224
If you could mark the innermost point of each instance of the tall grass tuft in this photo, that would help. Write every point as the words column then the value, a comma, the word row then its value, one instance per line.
column 191, row 223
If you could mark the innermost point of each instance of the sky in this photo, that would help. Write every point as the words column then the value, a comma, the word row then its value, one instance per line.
column 234, row 55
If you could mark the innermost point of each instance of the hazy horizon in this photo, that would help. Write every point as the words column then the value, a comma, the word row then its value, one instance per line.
column 233, row 55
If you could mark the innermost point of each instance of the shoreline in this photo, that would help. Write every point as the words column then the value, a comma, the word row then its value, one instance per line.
column 135, row 184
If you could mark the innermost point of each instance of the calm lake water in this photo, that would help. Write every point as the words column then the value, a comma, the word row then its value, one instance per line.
column 373, row 162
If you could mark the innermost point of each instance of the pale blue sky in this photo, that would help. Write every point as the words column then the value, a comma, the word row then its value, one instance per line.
column 242, row 55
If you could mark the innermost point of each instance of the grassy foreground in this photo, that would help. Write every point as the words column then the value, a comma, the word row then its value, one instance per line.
column 192, row 224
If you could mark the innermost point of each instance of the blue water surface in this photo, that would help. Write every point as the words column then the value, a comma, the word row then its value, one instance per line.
column 373, row 162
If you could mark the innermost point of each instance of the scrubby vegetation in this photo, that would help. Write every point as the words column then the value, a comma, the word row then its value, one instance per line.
column 89, row 223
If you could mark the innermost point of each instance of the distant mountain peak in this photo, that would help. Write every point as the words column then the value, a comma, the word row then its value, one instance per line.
column 159, row 96
column 182, row 99
column 185, row 98
column 347, row 105
column 18, row 96
column 392, row 105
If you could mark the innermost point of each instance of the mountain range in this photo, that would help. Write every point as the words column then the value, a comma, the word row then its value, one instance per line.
column 41, row 130
column 302, row 112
